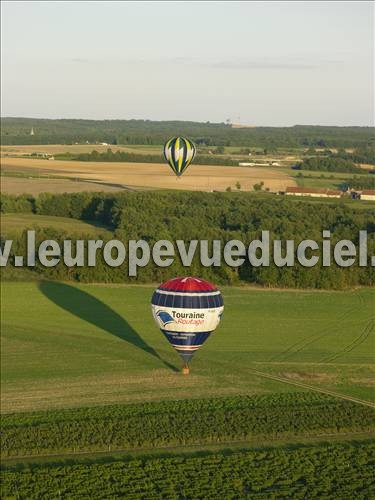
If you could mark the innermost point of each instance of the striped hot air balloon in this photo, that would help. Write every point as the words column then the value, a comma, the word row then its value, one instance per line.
column 179, row 153
column 187, row 311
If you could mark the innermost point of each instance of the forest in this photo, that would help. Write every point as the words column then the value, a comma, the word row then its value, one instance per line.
column 330, row 164
column 359, row 182
column 172, row 216
column 360, row 155
column 17, row 131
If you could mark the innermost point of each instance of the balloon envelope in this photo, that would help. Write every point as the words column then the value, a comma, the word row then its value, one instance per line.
column 187, row 311
column 179, row 153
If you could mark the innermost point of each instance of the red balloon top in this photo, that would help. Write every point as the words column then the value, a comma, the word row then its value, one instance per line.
column 188, row 284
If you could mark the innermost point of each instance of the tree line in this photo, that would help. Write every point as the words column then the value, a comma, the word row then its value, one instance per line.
column 153, row 216
column 359, row 155
column 123, row 156
column 65, row 131
column 330, row 164
column 359, row 182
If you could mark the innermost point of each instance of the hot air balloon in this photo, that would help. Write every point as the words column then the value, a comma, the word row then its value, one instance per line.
column 179, row 153
column 187, row 311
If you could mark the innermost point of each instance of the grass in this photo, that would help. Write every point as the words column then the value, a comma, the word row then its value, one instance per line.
column 313, row 179
column 328, row 181
column 97, row 344
column 15, row 223
column 25, row 175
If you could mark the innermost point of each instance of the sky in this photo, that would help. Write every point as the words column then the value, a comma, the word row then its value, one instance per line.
column 255, row 63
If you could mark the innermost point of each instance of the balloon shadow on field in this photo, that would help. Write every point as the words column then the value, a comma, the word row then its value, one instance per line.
column 94, row 311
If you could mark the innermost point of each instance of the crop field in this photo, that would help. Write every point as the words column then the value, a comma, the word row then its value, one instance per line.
column 35, row 186
column 208, row 423
column 97, row 344
column 279, row 401
column 317, row 179
column 151, row 175
column 335, row 471
column 54, row 149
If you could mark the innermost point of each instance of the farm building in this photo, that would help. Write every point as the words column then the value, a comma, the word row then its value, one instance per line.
column 314, row 192
column 365, row 194
column 253, row 164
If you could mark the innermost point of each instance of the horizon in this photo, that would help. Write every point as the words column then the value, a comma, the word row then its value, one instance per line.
column 255, row 63
column 207, row 122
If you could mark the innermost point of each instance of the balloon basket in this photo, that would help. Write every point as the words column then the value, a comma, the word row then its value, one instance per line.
column 185, row 370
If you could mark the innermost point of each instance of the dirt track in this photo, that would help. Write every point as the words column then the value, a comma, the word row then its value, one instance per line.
column 153, row 175
column 313, row 388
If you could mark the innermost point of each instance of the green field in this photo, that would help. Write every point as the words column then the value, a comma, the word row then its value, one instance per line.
column 315, row 179
column 16, row 223
column 332, row 471
column 279, row 401
column 67, row 345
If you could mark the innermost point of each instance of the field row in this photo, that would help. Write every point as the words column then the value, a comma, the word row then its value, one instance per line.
column 185, row 422
column 335, row 471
